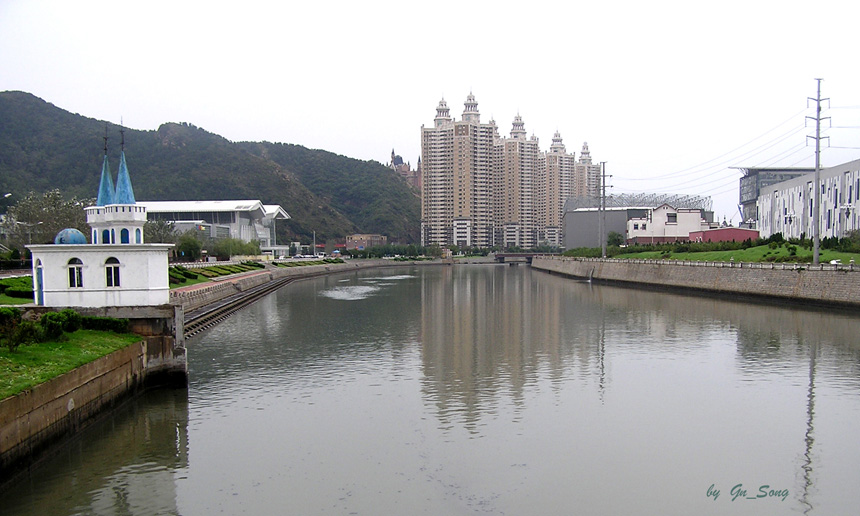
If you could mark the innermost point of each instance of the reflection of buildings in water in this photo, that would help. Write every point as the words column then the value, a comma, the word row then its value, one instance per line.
column 552, row 329
column 765, row 336
column 488, row 330
column 150, row 443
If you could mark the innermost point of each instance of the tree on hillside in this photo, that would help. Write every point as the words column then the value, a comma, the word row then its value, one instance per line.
column 36, row 219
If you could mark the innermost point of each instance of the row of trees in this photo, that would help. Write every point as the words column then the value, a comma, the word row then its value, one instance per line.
column 190, row 245
column 383, row 251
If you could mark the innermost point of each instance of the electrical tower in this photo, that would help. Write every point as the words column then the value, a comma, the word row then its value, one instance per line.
column 816, row 208
column 602, row 209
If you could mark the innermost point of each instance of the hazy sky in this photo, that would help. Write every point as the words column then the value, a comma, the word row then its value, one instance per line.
column 669, row 94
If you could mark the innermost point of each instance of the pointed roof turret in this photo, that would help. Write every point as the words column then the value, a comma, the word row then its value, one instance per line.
column 124, row 191
column 106, row 188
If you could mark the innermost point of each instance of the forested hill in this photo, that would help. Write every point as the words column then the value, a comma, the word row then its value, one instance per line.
column 44, row 147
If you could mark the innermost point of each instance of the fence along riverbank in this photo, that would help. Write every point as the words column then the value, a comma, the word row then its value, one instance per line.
column 819, row 285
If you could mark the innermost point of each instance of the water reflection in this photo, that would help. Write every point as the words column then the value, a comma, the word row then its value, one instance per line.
column 123, row 465
column 487, row 389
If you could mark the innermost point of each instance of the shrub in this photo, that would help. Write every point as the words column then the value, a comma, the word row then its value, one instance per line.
column 23, row 293
column 52, row 325
column 10, row 317
column 104, row 324
column 73, row 320
column 28, row 332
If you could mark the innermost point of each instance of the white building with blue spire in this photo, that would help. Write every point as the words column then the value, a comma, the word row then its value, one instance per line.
column 117, row 268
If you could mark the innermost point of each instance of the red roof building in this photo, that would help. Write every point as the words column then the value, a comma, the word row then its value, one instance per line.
column 723, row 235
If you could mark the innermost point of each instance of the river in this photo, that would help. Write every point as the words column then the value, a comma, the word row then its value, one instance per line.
column 482, row 389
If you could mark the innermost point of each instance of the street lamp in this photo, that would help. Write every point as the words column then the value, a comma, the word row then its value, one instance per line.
column 29, row 226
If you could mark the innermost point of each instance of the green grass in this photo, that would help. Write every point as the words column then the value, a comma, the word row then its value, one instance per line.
column 760, row 253
column 9, row 300
column 33, row 364
column 189, row 281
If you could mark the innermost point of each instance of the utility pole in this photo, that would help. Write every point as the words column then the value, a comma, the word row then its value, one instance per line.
column 816, row 203
column 603, row 209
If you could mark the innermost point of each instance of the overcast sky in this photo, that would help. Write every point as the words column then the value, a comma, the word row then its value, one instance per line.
column 669, row 94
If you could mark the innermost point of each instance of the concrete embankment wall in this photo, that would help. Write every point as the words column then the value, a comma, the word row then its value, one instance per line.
column 819, row 285
column 33, row 420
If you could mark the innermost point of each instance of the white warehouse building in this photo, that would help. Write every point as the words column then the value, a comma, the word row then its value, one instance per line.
column 245, row 220
column 787, row 207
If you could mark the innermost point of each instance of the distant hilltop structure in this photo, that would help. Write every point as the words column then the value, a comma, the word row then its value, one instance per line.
column 412, row 177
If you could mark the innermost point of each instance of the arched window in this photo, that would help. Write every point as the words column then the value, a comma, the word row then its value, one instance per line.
column 105, row 236
column 112, row 272
column 138, row 236
column 113, row 236
column 123, row 236
column 76, row 273
column 95, row 239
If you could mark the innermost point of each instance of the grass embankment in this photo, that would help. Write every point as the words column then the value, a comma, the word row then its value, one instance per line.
column 762, row 253
column 37, row 363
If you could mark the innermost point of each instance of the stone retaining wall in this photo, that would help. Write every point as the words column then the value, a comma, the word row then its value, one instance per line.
column 34, row 419
column 824, row 285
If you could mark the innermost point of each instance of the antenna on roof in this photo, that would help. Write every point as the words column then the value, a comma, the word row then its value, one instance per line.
column 122, row 135
column 106, row 137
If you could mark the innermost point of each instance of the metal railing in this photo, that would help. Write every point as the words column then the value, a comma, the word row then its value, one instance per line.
column 851, row 267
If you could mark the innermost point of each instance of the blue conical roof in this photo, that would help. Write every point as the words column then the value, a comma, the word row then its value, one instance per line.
column 106, row 189
column 124, row 191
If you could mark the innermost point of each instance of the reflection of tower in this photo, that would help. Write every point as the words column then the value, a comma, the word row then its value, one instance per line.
column 809, row 438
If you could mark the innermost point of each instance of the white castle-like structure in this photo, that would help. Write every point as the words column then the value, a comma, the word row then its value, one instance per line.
column 117, row 268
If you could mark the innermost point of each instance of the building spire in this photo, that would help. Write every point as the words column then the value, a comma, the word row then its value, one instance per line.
column 557, row 146
column 585, row 155
column 519, row 130
column 124, row 191
column 106, row 189
column 470, row 113
column 442, row 113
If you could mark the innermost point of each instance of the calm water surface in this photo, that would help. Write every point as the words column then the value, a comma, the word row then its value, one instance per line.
column 482, row 390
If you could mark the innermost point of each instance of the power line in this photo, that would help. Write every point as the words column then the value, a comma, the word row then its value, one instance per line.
column 671, row 174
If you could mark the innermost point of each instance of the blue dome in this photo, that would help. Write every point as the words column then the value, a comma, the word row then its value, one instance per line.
column 70, row 236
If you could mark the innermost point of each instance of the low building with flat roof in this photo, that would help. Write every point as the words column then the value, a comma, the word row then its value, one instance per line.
column 245, row 220
column 365, row 241
column 788, row 207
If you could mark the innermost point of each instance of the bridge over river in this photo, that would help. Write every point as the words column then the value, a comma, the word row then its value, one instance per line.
column 519, row 257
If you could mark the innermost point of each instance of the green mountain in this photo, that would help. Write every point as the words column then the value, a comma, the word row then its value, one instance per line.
column 44, row 147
